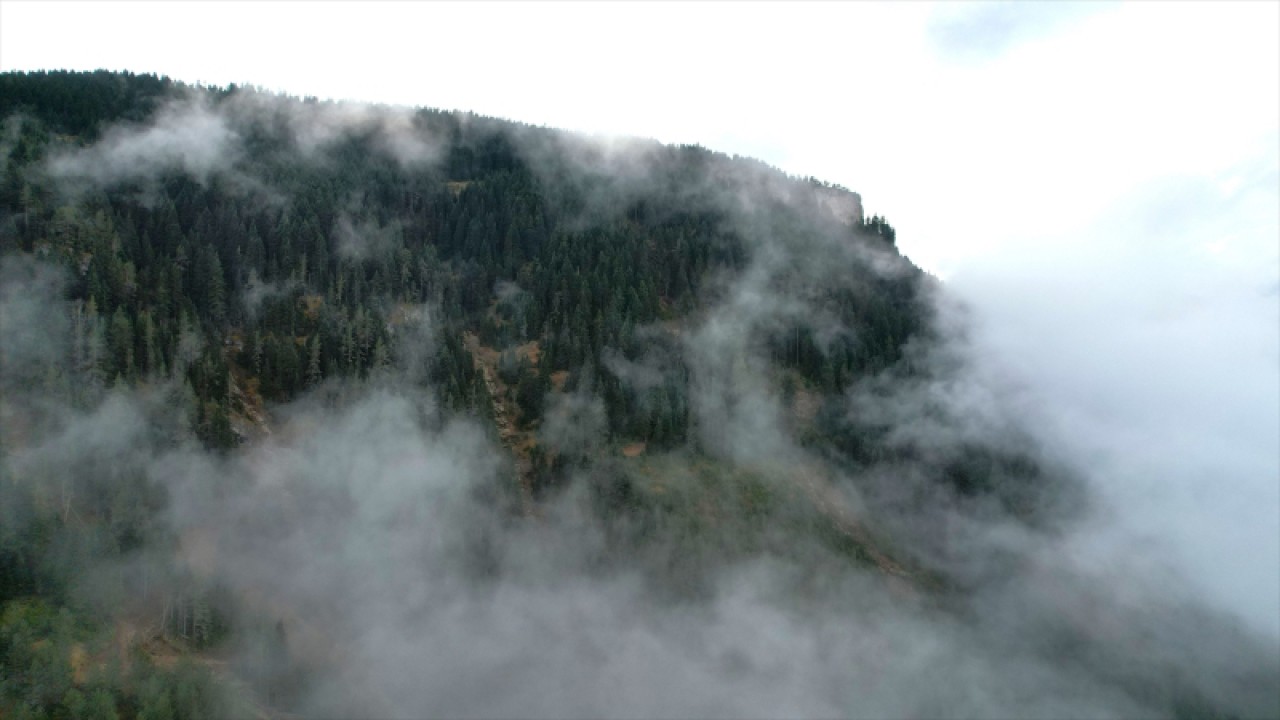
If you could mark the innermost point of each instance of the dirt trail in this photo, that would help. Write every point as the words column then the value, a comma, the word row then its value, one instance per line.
column 505, row 417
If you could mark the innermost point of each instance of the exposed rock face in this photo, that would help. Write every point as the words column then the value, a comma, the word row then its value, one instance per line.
column 844, row 204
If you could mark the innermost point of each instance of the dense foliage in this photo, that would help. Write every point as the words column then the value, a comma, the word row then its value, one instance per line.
column 279, row 284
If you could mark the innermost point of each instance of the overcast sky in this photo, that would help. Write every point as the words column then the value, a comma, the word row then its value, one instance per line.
column 1101, row 182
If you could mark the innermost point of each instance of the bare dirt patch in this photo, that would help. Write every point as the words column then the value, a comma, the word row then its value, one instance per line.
column 505, row 416
column 558, row 379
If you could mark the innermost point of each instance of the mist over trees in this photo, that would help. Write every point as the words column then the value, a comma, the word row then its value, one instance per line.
column 332, row 409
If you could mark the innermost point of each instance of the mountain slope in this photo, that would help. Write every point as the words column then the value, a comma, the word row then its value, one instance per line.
column 406, row 412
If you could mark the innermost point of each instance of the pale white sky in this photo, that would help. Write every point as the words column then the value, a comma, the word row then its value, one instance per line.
column 945, row 117
column 1100, row 181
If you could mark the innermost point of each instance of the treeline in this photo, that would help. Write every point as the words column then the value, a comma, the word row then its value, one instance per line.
column 83, row 104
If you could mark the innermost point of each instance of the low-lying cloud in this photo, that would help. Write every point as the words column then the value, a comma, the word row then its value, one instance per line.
column 185, row 135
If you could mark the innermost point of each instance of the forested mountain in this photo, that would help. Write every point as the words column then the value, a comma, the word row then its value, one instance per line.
column 324, row 408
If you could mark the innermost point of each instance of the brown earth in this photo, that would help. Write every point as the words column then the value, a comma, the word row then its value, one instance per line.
column 506, row 415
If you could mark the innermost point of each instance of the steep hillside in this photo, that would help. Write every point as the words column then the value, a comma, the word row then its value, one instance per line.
column 400, row 412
